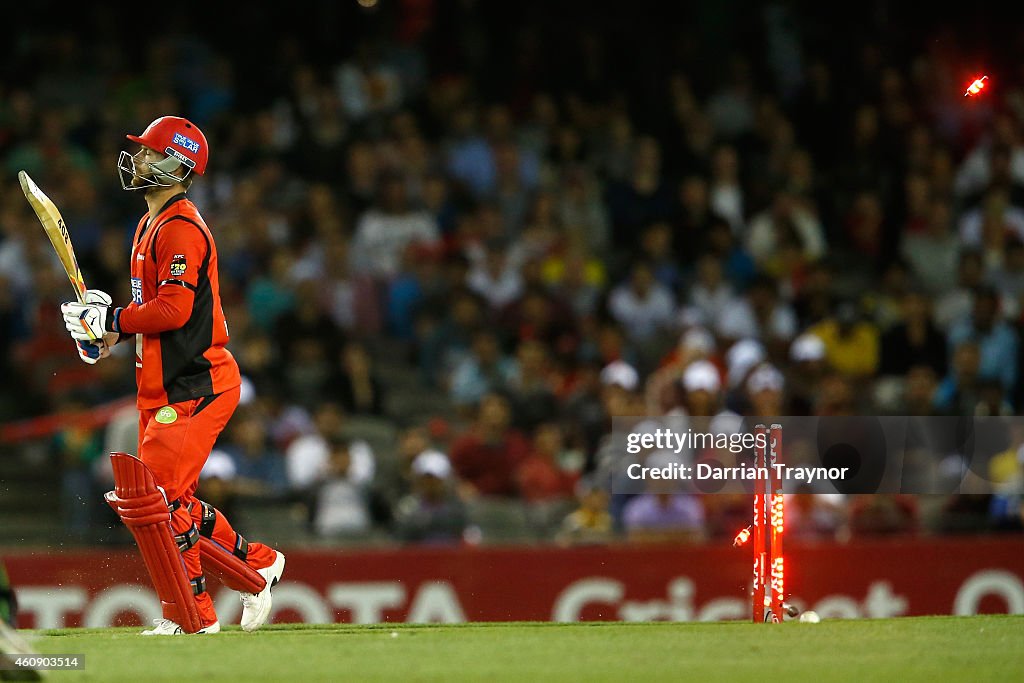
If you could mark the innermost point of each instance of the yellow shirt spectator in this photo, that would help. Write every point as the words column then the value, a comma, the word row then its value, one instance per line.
column 853, row 351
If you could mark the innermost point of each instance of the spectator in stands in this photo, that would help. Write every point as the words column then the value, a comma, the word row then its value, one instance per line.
column 384, row 230
column 711, row 293
column 485, row 369
column 76, row 445
column 643, row 306
column 1006, row 474
column 740, row 359
column 341, row 507
column 259, row 468
column 307, row 459
column 995, row 208
column 531, row 385
column 814, row 516
column 787, row 222
column 760, row 314
column 960, row 391
column 919, row 389
column 693, row 212
column 914, row 341
column 432, row 513
column 641, row 199
column 965, row 513
column 393, row 475
column 419, row 285
column 663, row 387
column 883, row 514
column 885, row 308
column 551, row 470
column 766, row 392
column 851, row 341
column 663, row 514
column 721, row 242
column 580, row 207
column 442, row 341
column 975, row 172
column 485, row 457
column 356, row 382
column 1008, row 279
column 218, row 482
column 366, row 84
column 701, row 385
column 495, row 276
column 808, row 366
column 956, row 304
column 726, row 188
column 658, row 250
column 590, row 523
column 997, row 341
column 933, row 252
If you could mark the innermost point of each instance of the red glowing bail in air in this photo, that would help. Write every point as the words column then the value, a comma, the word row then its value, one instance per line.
column 976, row 87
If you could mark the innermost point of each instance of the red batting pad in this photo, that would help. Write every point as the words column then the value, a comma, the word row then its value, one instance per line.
column 232, row 572
column 143, row 510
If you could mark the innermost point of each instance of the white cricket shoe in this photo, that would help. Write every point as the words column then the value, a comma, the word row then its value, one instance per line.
column 166, row 627
column 256, row 606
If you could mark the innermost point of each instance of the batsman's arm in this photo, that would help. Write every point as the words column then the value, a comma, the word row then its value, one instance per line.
column 180, row 252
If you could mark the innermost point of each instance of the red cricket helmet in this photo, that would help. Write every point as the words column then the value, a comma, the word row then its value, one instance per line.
column 179, row 138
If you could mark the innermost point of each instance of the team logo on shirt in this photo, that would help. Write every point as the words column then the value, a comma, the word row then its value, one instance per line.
column 178, row 265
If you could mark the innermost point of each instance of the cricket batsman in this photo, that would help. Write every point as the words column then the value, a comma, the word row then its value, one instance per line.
column 188, row 388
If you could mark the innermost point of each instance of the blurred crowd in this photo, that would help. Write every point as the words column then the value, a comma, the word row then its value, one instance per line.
column 537, row 235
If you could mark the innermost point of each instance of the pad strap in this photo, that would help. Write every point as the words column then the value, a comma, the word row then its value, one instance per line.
column 209, row 520
column 227, row 563
column 187, row 540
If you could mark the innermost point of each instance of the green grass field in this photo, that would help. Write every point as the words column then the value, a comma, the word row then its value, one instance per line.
column 983, row 648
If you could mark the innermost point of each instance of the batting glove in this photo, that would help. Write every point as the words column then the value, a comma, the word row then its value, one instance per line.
column 94, row 320
column 91, row 352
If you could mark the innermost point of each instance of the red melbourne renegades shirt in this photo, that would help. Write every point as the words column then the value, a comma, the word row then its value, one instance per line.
column 175, row 314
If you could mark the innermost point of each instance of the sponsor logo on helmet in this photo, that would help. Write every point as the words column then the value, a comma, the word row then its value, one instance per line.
column 186, row 142
column 171, row 152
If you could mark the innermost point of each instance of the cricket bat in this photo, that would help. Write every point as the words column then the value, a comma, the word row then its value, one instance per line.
column 56, row 230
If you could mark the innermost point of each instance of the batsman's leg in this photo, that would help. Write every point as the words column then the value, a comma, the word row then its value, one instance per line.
column 179, row 583
column 250, row 568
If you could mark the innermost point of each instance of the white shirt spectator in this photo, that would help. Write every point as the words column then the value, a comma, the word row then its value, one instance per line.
column 739, row 322
column 219, row 466
column 972, row 221
column 341, row 508
column 644, row 316
column 933, row 260
column 306, row 461
column 713, row 302
column 763, row 238
column 973, row 174
column 381, row 239
column 727, row 202
column 499, row 288
column 368, row 91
